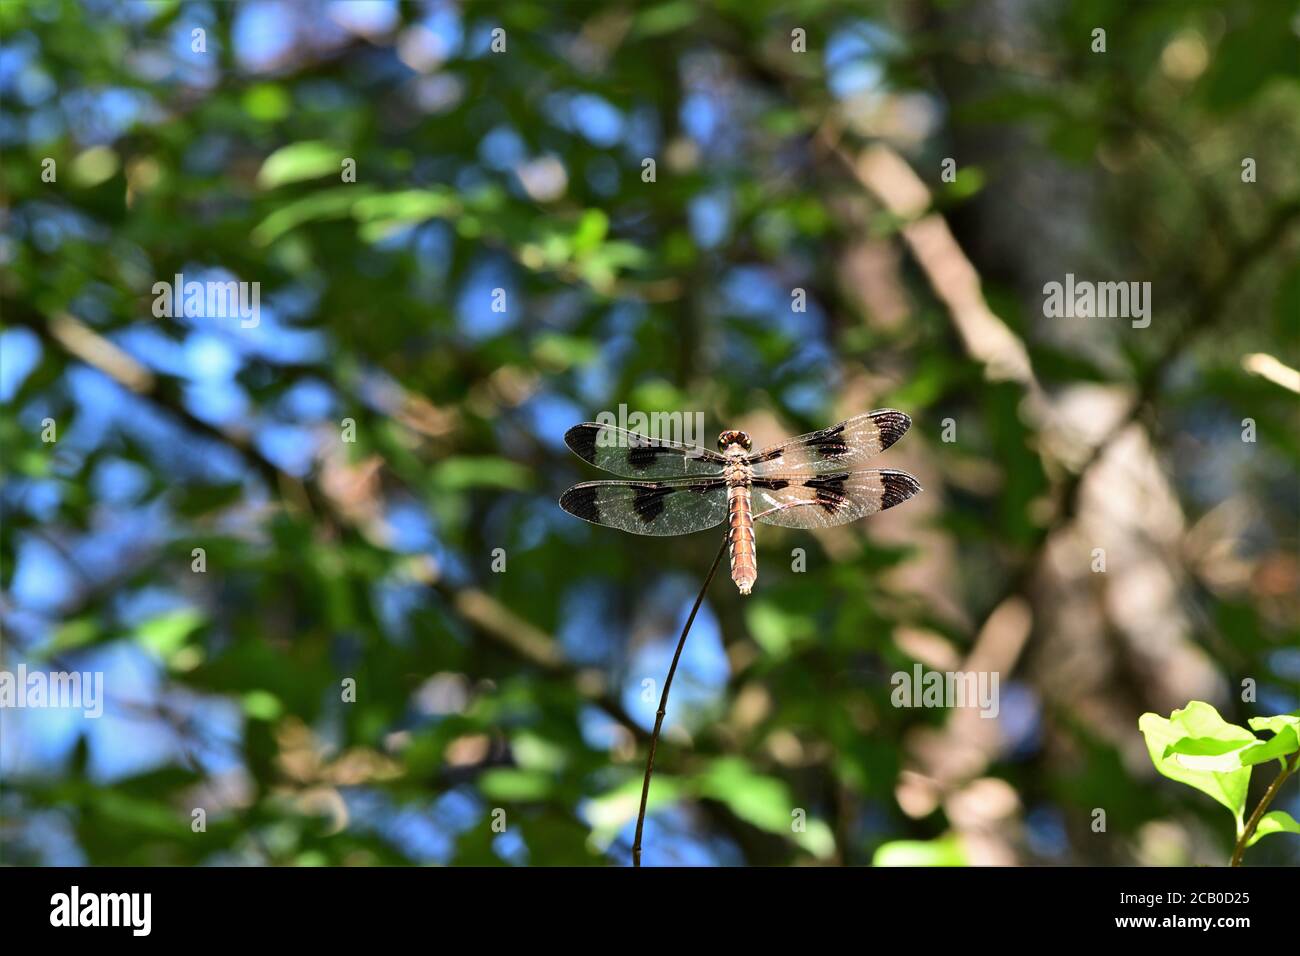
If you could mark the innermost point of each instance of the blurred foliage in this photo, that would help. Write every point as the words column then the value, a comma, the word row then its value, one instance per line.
column 203, row 532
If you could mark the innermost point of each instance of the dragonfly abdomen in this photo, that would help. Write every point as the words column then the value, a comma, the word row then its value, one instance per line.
column 740, row 536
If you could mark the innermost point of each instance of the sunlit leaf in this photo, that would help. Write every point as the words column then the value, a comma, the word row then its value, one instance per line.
column 509, row 784
column 763, row 801
column 945, row 851
column 299, row 161
column 1198, row 720
column 330, row 204
column 1275, row 821
column 262, row 705
column 167, row 633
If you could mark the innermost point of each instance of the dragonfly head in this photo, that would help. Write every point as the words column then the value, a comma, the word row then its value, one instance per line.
column 730, row 438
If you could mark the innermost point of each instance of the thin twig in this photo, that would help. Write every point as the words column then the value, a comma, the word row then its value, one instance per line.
column 663, row 705
column 1248, row 831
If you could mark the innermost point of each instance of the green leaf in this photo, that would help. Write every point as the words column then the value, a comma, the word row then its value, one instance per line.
column 945, row 851
column 757, row 799
column 1275, row 821
column 262, row 705
column 532, row 752
column 94, row 166
column 816, row 838
column 1198, row 720
column 167, row 633
column 299, row 161
column 967, row 183
column 457, row 474
column 764, row 802
column 507, row 784
column 775, row 629
column 1276, row 724
column 266, row 102
column 329, row 204
column 382, row 215
column 1284, row 743
column 590, row 231
column 1209, row 753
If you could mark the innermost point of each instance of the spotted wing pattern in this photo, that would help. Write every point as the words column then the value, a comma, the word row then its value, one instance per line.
column 633, row 455
column 825, row 500
column 839, row 448
column 674, row 506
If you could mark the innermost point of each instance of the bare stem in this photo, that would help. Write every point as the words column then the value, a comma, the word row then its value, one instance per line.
column 663, row 705
column 1258, row 814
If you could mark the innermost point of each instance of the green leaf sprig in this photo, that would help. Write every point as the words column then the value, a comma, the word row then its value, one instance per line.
column 1197, row 747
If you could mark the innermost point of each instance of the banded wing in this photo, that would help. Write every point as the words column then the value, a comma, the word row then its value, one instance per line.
column 822, row 501
column 842, row 447
column 676, row 506
column 633, row 455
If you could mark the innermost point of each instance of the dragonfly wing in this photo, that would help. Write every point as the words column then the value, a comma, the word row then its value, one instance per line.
column 678, row 506
column 842, row 447
column 822, row 501
column 633, row 455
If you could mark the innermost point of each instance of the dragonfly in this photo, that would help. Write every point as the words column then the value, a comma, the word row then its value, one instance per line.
column 812, row 481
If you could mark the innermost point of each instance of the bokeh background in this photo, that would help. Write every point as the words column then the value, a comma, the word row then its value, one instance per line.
column 523, row 690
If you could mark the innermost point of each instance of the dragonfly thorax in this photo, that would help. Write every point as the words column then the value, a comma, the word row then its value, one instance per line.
column 737, row 472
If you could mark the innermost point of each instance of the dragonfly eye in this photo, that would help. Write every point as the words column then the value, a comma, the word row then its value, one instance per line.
column 727, row 439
